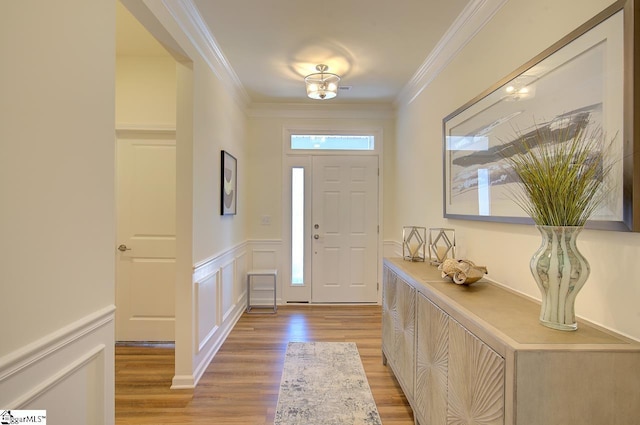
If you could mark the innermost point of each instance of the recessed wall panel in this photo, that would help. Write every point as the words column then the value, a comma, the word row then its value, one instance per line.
column 226, row 278
column 207, row 313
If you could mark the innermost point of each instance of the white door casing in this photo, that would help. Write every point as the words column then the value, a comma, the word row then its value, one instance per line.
column 344, row 229
column 146, row 227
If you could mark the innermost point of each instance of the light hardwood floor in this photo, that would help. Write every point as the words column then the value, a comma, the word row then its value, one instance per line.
column 240, row 386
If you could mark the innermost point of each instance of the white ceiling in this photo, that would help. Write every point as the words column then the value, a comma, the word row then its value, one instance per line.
column 376, row 46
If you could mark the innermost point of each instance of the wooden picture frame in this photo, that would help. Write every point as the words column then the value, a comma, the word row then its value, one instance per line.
column 229, row 184
column 589, row 76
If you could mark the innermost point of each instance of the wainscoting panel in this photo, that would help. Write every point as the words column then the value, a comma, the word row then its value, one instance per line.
column 207, row 308
column 227, row 279
column 219, row 303
column 220, row 298
column 240, row 287
column 68, row 373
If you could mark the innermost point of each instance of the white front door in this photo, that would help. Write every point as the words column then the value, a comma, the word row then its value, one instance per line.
column 344, row 229
column 146, row 228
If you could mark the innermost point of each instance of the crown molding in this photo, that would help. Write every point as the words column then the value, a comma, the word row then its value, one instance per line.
column 322, row 110
column 472, row 19
column 188, row 18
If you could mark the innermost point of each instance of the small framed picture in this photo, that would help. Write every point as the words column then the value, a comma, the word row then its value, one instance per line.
column 229, row 184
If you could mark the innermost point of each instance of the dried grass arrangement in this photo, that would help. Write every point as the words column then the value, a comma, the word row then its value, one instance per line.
column 562, row 171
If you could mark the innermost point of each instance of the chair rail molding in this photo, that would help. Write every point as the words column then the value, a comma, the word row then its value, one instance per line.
column 28, row 355
column 69, row 372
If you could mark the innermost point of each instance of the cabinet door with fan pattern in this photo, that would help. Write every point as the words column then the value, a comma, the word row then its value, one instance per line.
column 432, row 362
column 404, row 333
column 475, row 380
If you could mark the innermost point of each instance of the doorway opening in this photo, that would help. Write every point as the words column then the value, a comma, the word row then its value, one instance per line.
column 146, row 110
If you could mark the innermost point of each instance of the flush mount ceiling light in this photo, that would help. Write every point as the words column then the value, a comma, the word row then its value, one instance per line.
column 322, row 85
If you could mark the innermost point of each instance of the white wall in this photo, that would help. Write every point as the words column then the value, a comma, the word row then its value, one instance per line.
column 57, row 216
column 219, row 258
column 146, row 91
column 219, row 124
column 518, row 32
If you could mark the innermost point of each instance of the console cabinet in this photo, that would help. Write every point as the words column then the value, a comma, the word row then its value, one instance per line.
column 398, row 329
column 477, row 355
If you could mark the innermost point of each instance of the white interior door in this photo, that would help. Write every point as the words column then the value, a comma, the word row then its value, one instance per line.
column 345, row 229
column 146, row 245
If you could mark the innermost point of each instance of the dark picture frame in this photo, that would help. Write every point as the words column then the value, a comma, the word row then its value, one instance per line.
column 228, row 184
column 586, row 77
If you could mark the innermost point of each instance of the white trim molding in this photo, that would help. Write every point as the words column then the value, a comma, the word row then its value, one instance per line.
column 69, row 372
column 216, row 309
column 472, row 19
column 219, row 299
column 391, row 249
column 186, row 15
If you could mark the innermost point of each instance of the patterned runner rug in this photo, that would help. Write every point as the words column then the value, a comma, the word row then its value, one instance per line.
column 323, row 383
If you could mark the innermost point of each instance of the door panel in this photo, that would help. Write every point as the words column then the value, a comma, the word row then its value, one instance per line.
column 146, row 237
column 345, row 244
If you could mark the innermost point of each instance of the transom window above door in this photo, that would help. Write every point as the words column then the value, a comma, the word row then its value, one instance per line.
column 332, row 142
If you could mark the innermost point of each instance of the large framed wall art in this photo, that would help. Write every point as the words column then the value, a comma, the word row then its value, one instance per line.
column 587, row 78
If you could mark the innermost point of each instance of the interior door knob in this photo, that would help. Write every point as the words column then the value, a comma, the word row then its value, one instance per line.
column 123, row 248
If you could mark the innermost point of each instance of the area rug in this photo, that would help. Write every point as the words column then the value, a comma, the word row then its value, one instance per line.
column 323, row 383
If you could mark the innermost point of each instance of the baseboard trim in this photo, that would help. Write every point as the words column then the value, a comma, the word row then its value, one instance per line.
column 217, row 339
column 183, row 382
column 223, row 332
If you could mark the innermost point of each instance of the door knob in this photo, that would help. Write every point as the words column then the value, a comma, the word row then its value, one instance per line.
column 123, row 248
column 316, row 236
